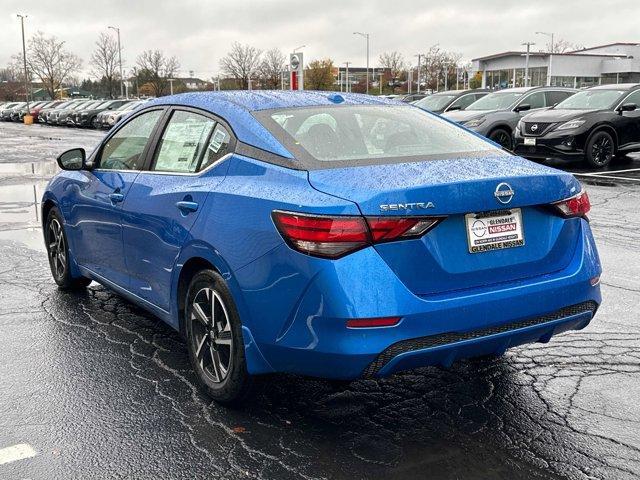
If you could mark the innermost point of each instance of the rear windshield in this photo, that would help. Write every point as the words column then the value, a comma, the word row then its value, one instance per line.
column 592, row 100
column 357, row 134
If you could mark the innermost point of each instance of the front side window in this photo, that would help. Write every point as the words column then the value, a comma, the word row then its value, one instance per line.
column 183, row 143
column 123, row 151
column 633, row 98
column 536, row 100
column 371, row 134
column 463, row 102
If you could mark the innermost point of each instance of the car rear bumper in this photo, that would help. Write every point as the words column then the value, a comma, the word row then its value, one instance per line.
column 310, row 335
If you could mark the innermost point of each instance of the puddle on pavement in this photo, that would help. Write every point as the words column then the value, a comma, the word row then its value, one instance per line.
column 21, row 189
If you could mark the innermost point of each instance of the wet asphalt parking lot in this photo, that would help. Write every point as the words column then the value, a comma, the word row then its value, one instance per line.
column 93, row 387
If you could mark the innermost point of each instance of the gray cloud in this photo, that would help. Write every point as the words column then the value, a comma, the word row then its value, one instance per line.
column 199, row 32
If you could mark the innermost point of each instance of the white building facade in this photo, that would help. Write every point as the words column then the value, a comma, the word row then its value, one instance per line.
column 613, row 63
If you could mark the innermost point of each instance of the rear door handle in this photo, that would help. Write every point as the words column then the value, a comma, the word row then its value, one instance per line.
column 186, row 207
column 116, row 197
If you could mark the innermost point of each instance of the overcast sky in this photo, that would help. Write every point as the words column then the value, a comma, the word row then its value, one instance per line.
column 199, row 32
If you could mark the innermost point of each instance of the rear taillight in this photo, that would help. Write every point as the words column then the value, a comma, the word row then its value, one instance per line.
column 576, row 206
column 335, row 236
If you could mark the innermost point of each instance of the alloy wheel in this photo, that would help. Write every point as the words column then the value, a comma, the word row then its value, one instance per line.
column 57, row 248
column 211, row 334
column 602, row 150
column 501, row 137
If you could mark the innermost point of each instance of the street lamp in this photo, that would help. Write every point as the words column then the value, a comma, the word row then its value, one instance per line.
column 419, row 55
column 526, row 63
column 548, row 35
column 120, row 60
column 24, row 59
column 347, row 87
column 299, row 48
column 366, row 36
column 550, row 56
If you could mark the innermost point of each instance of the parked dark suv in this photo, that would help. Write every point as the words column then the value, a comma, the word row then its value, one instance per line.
column 594, row 125
column 450, row 100
column 496, row 115
column 87, row 117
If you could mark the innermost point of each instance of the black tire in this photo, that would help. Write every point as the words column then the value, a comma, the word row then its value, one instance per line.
column 600, row 149
column 216, row 348
column 502, row 137
column 58, row 253
column 94, row 123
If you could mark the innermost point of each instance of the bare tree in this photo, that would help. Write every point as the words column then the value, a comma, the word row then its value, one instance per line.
column 241, row 62
column 394, row 62
column 319, row 75
column 562, row 46
column 48, row 60
column 438, row 65
column 155, row 69
column 271, row 68
column 104, row 62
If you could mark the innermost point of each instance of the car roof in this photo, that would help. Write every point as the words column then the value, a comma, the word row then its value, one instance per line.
column 256, row 100
column 237, row 106
column 616, row 86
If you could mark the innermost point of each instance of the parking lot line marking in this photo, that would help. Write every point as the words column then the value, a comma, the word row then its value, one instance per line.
column 612, row 171
column 596, row 175
column 17, row 452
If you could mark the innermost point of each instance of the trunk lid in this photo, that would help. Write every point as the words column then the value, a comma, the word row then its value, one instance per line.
column 440, row 261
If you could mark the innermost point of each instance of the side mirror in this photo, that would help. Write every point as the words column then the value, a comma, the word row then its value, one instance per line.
column 522, row 108
column 74, row 159
column 454, row 107
column 627, row 107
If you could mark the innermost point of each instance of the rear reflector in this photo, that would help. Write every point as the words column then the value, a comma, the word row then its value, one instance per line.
column 372, row 322
column 334, row 236
column 576, row 206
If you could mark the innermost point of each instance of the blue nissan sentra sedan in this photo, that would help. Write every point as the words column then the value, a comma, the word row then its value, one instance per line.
column 333, row 235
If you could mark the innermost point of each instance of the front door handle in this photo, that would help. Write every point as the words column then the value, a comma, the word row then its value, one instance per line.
column 186, row 207
column 116, row 197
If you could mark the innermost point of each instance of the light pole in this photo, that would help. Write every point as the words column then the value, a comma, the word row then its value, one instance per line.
column 419, row 55
column 24, row 60
column 366, row 36
column 551, row 51
column 299, row 48
column 171, row 80
column 347, row 87
column 548, row 35
column 120, row 61
column 526, row 63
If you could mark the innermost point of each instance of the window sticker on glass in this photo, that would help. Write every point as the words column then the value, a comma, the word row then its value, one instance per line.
column 217, row 140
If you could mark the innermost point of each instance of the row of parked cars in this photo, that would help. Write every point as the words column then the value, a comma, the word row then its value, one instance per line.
column 595, row 125
column 71, row 112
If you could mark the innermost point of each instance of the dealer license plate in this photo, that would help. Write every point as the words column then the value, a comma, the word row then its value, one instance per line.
column 494, row 230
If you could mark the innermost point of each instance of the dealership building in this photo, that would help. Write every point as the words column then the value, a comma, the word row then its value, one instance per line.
column 612, row 63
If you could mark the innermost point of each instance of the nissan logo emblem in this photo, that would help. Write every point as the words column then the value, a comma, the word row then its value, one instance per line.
column 504, row 193
column 534, row 127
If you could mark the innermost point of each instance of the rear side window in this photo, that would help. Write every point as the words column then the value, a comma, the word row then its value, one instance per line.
column 123, row 151
column 218, row 146
column 556, row 97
